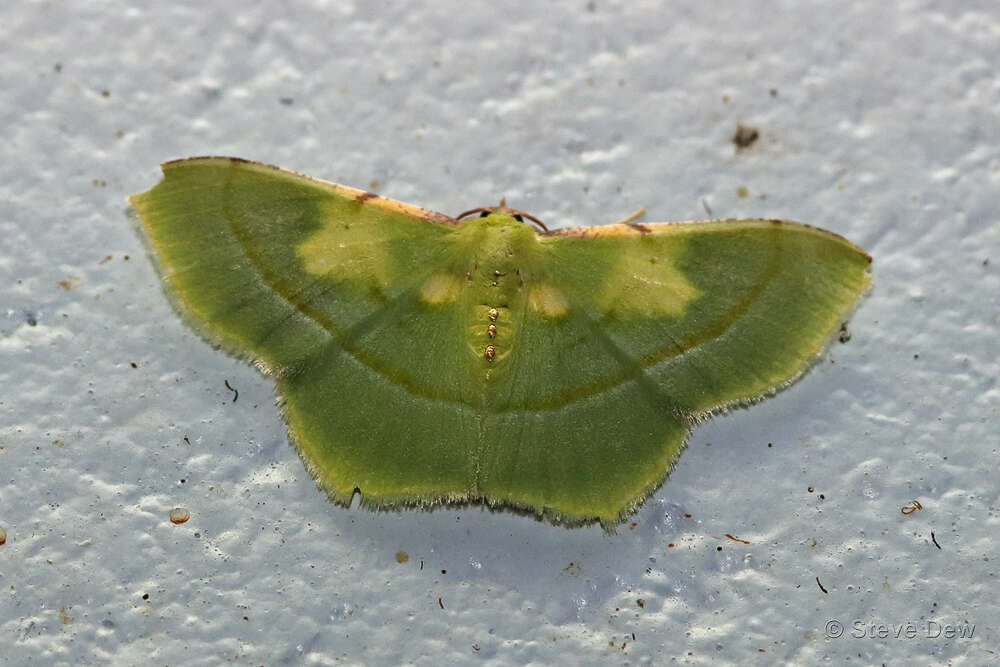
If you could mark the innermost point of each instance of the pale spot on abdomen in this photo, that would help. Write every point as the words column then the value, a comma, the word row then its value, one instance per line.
column 489, row 331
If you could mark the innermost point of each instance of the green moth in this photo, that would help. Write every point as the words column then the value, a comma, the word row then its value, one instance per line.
column 423, row 359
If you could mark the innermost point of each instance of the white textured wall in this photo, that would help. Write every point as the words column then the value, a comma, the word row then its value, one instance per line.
column 881, row 124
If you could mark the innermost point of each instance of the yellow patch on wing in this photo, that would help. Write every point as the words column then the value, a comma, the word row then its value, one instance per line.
column 440, row 287
column 342, row 249
column 650, row 284
column 548, row 300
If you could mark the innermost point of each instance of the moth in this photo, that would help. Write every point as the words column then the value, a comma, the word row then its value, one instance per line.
column 424, row 359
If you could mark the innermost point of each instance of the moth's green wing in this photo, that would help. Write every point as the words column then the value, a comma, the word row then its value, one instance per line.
column 718, row 312
column 317, row 283
column 637, row 331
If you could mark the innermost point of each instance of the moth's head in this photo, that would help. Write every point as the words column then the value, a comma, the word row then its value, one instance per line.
column 502, row 214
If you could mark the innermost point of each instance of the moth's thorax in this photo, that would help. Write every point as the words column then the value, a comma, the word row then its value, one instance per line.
column 498, row 232
column 498, row 245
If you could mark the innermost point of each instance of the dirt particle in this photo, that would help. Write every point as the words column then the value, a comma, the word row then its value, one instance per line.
column 745, row 136
column 402, row 556
column 179, row 515
column 573, row 569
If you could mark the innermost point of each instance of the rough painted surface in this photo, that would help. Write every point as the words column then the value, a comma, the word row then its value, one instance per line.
column 879, row 128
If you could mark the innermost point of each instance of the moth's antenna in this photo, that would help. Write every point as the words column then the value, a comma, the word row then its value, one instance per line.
column 512, row 211
column 530, row 217
column 474, row 210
